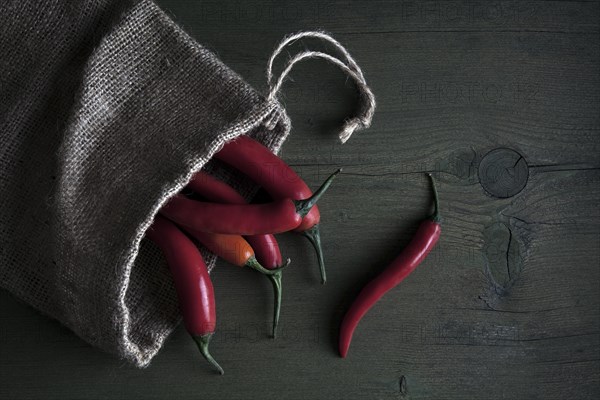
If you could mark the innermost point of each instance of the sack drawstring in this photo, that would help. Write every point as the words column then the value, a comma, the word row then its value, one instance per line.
column 367, row 99
column 314, row 34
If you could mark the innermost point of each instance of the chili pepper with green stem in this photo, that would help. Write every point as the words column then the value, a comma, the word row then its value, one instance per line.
column 278, row 179
column 192, row 283
column 242, row 219
column 419, row 247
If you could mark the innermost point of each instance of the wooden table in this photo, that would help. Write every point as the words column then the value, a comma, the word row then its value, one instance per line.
column 501, row 100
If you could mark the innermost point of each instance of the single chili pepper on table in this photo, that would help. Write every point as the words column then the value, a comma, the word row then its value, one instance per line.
column 278, row 179
column 192, row 283
column 242, row 219
column 419, row 247
column 266, row 249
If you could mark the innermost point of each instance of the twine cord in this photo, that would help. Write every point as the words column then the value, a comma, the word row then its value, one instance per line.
column 347, row 64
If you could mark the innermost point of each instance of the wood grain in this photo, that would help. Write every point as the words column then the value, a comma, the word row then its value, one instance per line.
column 506, row 307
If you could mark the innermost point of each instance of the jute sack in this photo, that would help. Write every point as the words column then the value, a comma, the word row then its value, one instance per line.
column 107, row 108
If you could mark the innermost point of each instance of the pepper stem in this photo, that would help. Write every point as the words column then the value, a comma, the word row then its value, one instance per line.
column 303, row 206
column 277, row 288
column 435, row 217
column 314, row 237
column 202, row 341
column 253, row 263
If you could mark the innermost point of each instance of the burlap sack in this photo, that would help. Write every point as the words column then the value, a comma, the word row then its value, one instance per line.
column 106, row 109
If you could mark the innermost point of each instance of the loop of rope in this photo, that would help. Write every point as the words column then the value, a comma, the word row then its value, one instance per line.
column 312, row 34
column 350, row 67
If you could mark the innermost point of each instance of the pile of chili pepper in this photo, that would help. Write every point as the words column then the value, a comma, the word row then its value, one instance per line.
column 242, row 234
column 238, row 232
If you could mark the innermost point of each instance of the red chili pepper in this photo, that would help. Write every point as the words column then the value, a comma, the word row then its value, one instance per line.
column 192, row 283
column 248, row 219
column 242, row 219
column 266, row 250
column 424, row 240
column 265, row 246
column 278, row 179
column 214, row 189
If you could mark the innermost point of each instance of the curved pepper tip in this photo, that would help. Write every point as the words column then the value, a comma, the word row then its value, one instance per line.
column 343, row 349
column 345, row 337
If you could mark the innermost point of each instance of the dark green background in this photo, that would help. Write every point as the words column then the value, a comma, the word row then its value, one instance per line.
column 507, row 305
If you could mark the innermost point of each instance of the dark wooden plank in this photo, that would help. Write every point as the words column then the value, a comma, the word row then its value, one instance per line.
column 385, row 16
column 506, row 307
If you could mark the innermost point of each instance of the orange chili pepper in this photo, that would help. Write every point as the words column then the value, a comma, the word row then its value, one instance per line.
column 232, row 248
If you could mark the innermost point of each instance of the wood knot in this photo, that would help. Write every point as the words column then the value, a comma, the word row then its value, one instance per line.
column 503, row 173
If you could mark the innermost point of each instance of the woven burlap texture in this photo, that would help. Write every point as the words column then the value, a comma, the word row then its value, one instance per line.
column 106, row 110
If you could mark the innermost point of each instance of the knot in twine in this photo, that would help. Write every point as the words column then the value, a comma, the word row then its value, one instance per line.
column 346, row 64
